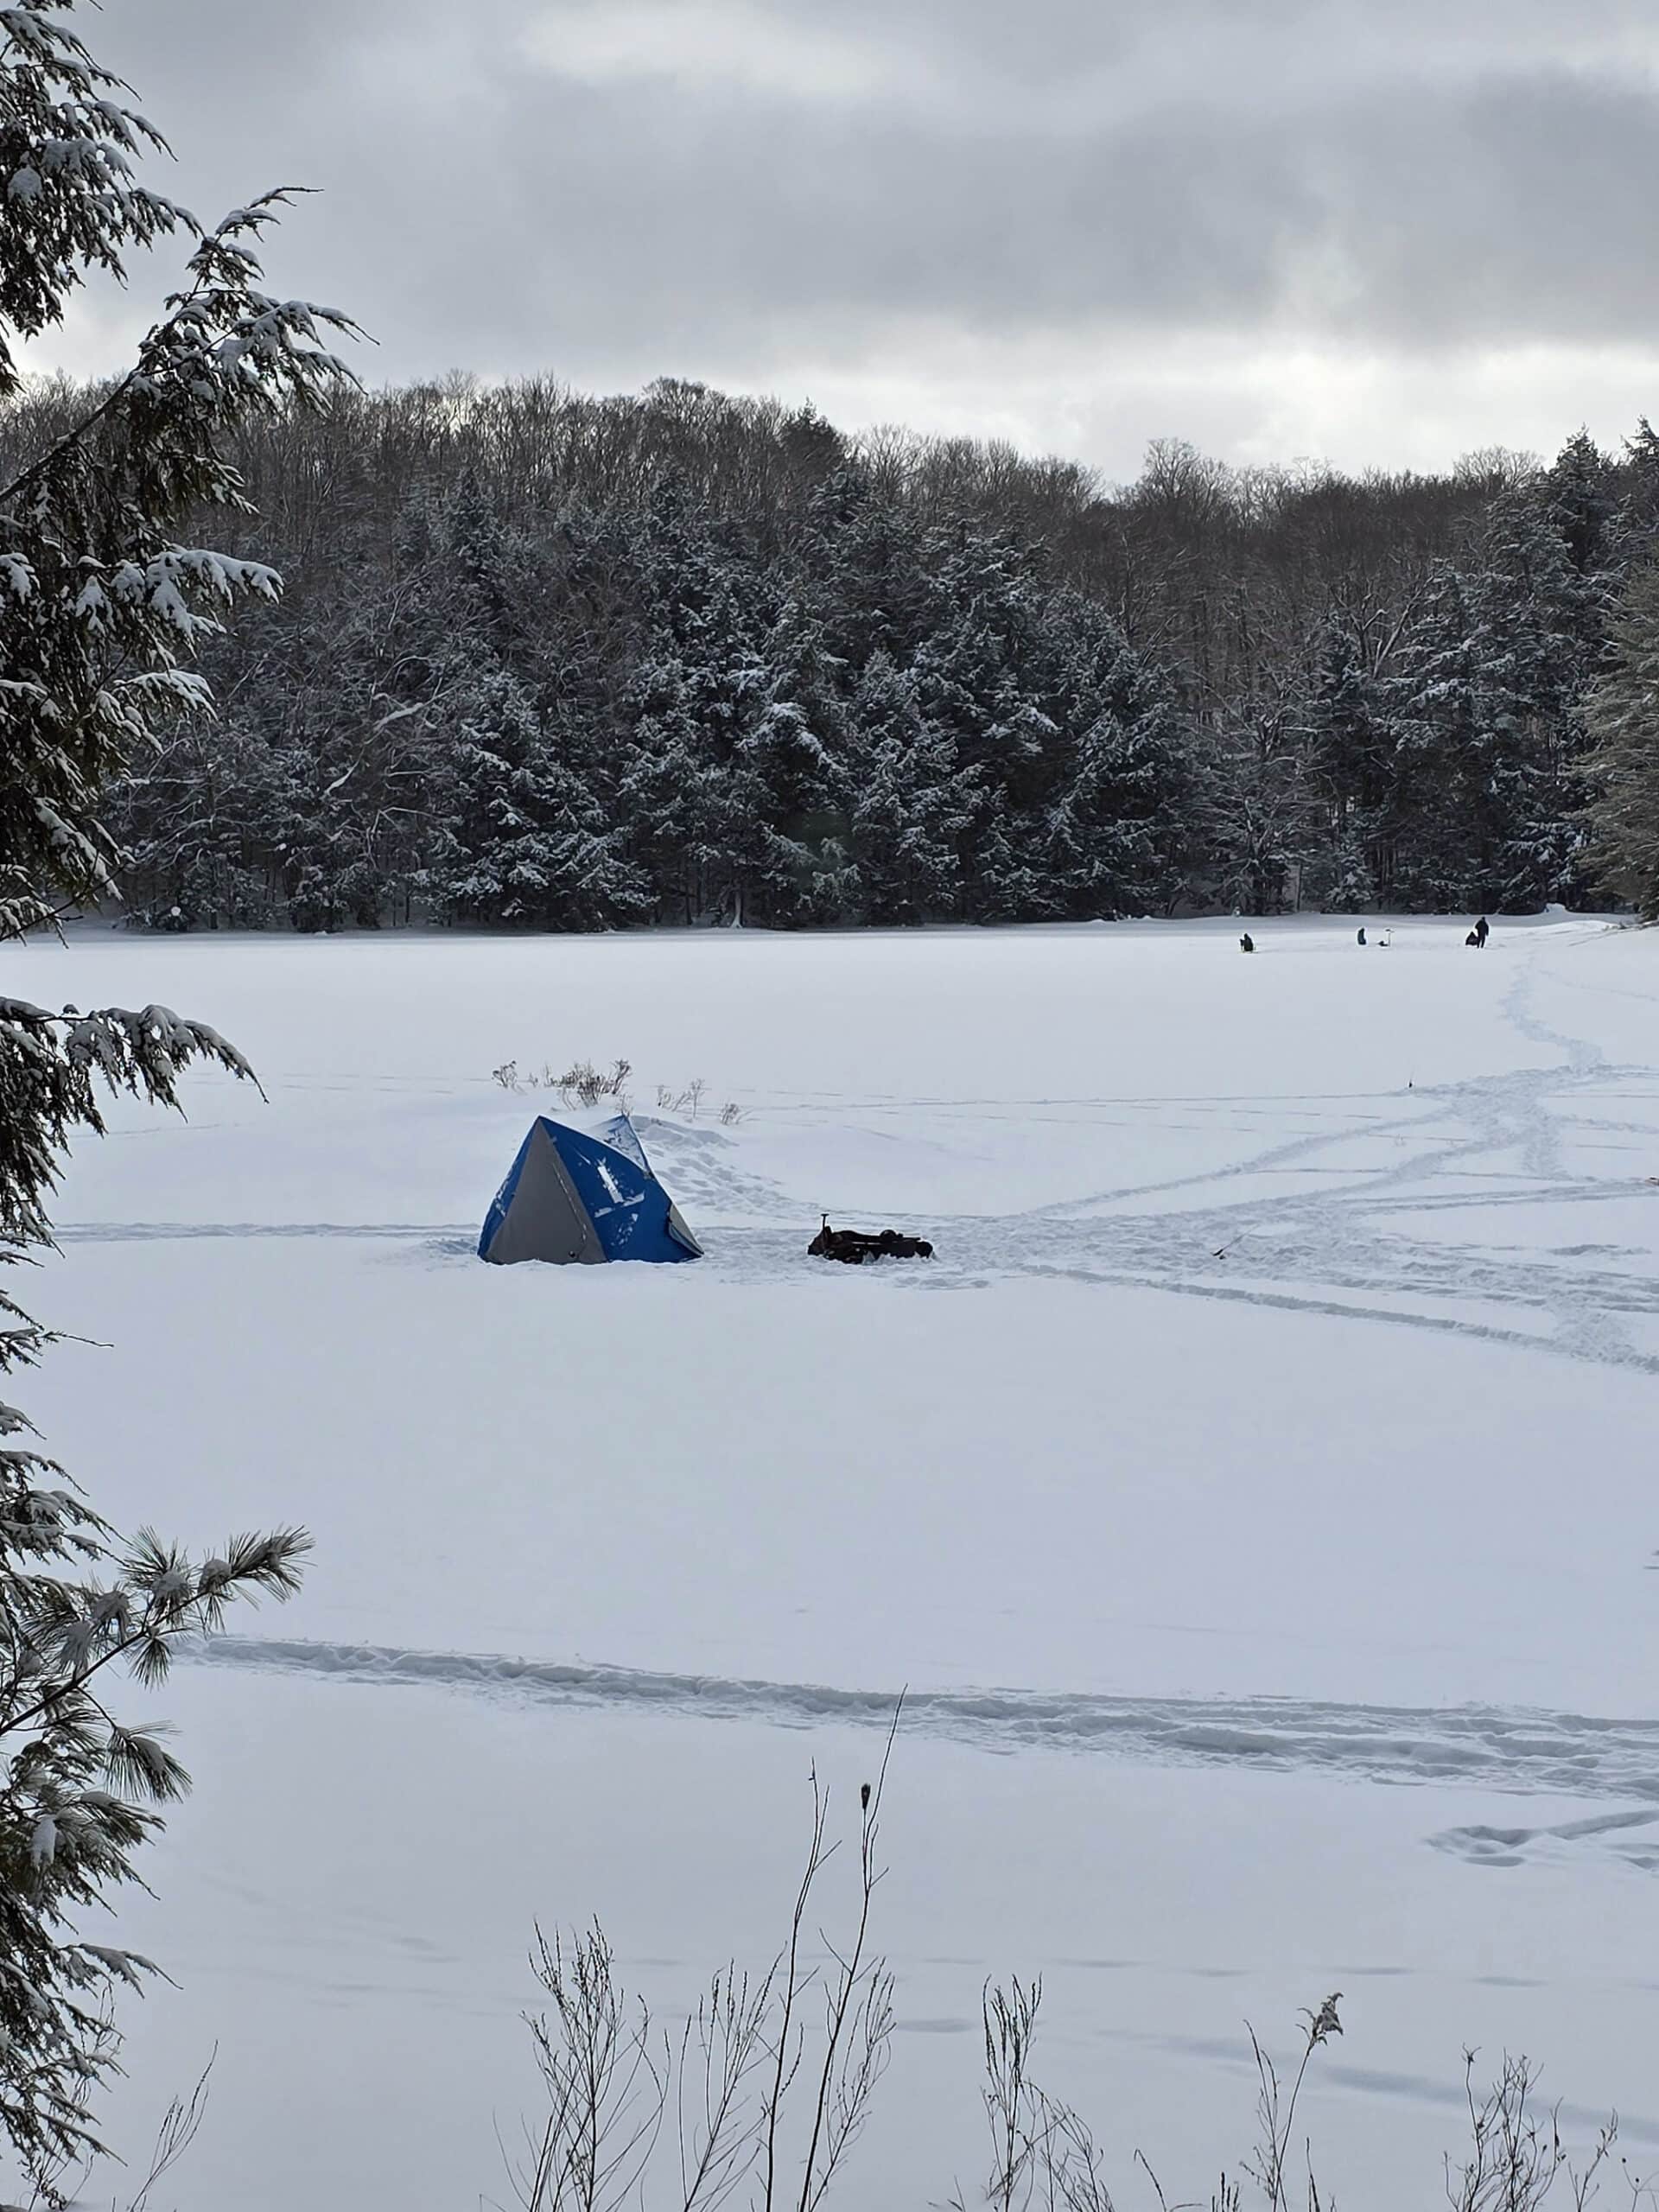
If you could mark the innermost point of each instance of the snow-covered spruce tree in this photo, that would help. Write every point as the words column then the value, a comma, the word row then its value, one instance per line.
column 1443, row 825
column 690, row 794
column 909, row 803
column 521, row 840
column 872, row 579
column 980, row 677
column 1634, row 533
column 1343, row 731
column 1622, row 769
column 100, row 610
column 1123, row 817
column 784, row 841
column 1580, row 496
column 1539, row 622
column 519, row 835
column 667, row 789
column 1439, row 739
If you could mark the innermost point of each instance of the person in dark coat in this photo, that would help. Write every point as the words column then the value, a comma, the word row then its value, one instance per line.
column 1482, row 933
column 1360, row 937
column 1247, row 943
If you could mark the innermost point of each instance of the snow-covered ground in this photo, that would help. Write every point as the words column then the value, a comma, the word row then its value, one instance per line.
column 1255, row 1493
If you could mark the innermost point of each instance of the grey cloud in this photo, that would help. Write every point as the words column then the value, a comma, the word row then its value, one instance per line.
column 1513, row 213
column 1511, row 210
column 1225, row 47
column 1415, row 179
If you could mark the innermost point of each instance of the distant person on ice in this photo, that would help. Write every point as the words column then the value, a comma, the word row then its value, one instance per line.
column 1247, row 943
column 1359, row 937
column 1482, row 933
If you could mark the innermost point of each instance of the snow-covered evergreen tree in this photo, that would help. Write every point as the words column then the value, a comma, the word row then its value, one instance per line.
column 790, row 754
column 909, row 804
column 873, row 582
column 655, row 575
column 983, row 677
column 101, row 609
column 1539, row 621
column 1580, row 496
column 1121, row 820
column 100, row 606
column 520, row 838
column 1635, row 533
column 1343, row 723
column 1443, row 825
column 691, row 796
column 665, row 793
column 1621, row 771
column 513, row 833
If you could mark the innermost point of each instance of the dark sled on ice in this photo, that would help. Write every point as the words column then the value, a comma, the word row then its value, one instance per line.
column 853, row 1246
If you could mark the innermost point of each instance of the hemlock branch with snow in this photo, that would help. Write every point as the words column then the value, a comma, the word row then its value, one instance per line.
column 102, row 609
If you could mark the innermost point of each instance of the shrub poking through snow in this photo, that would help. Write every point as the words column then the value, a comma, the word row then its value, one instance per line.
column 764, row 2109
column 688, row 1102
column 583, row 1084
column 760, row 2101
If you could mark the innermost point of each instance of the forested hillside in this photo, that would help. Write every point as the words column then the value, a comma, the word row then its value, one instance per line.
column 548, row 661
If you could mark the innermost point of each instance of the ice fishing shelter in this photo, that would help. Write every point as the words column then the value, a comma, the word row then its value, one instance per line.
column 585, row 1196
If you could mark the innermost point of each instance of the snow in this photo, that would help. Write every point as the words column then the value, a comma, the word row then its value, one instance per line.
column 1254, row 1495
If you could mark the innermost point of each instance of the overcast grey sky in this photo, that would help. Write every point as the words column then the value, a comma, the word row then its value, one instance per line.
column 1391, row 233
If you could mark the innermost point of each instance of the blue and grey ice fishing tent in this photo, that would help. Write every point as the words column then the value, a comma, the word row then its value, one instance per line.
column 571, row 1195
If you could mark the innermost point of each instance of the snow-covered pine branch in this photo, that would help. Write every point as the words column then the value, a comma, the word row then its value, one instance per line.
column 102, row 611
column 103, row 608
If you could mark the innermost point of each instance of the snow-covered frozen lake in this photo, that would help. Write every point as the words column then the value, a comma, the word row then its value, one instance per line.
column 1256, row 1495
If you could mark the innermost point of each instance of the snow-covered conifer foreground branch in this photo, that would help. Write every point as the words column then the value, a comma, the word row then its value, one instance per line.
column 101, row 611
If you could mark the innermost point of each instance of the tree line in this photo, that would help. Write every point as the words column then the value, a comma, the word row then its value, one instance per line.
column 556, row 662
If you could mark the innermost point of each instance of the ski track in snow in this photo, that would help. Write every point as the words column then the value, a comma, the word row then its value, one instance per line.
column 1484, row 1747
column 138, row 1232
column 1334, row 1238
column 1343, row 1246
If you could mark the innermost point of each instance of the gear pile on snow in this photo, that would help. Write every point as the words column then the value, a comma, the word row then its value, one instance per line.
column 854, row 1246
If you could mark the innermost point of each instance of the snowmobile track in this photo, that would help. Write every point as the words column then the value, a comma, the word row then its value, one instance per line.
column 1490, row 1747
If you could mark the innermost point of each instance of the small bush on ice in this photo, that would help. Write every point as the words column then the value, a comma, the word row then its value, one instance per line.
column 583, row 1084
column 580, row 1084
column 688, row 1100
